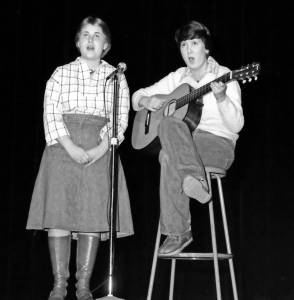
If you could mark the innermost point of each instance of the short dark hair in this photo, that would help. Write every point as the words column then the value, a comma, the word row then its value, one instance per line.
column 95, row 21
column 193, row 30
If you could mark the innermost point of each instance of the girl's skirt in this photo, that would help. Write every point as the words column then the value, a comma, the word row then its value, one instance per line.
column 75, row 197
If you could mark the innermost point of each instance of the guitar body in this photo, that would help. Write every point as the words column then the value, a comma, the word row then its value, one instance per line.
column 188, row 113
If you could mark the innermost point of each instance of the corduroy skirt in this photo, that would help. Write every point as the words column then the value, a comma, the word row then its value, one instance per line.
column 75, row 197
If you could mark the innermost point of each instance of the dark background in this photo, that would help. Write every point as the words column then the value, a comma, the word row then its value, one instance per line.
column 39, row 36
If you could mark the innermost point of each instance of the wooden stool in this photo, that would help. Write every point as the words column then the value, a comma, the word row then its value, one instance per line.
column 212, row 173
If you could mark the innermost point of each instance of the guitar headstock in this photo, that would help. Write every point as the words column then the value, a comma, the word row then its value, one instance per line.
column 247, row 73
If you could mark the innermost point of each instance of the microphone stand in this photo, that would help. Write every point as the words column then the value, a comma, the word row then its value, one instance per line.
column 113, row 190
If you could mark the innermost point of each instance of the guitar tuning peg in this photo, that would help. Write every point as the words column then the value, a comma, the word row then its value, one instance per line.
column 244, row 81
column 250, row 79
column 255, row 77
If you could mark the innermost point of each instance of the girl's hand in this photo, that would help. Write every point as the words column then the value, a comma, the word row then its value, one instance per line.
column 98, row 151
column 219, row 91
column 77, row 153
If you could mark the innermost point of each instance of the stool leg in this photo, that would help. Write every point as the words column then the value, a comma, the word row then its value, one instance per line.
column 214, row 248
column 214, row 242
column 154, row 263
column 172, row 279
column 227, row 237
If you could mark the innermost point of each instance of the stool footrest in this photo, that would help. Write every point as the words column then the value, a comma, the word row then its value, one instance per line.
column 196, row 256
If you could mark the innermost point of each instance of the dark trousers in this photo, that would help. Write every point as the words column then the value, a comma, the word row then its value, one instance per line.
column 184, row 154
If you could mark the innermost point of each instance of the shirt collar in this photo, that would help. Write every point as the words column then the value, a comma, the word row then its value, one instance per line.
column 84, row 67
column 187, row 74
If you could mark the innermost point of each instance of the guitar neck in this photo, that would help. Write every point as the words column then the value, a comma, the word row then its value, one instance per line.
column 198, row 93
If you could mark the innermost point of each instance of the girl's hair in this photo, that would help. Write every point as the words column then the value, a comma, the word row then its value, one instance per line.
column 193, row 30
column 99, row 22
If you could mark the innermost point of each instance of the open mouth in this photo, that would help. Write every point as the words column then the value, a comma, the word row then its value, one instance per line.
column 191, row 59
column 90, row 47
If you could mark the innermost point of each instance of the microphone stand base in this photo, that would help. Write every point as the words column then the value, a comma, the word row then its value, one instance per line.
column 109, row 298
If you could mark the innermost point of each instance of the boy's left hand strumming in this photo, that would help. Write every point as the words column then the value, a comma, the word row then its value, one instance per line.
column 219, row 91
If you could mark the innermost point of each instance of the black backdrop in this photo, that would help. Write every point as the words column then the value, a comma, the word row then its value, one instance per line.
column 39, row 36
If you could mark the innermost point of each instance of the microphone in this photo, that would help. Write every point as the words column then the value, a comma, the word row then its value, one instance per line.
column 121, row 67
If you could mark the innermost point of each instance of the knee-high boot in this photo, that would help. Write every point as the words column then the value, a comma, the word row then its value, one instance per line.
column 59, row 248
column 87, row 246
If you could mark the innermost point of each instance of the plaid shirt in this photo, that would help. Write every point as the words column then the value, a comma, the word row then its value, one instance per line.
column 71, row 90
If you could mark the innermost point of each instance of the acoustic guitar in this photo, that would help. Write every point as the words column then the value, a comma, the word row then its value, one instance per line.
column 183, row 103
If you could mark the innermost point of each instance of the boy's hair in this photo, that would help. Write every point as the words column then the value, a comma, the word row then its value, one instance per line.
column 95, row 21
column 193, row 30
